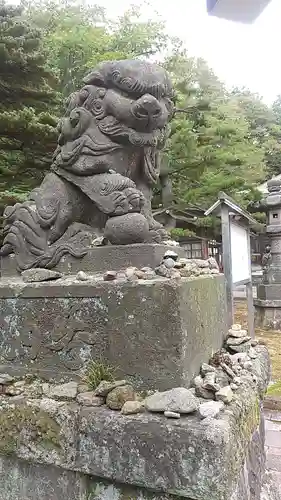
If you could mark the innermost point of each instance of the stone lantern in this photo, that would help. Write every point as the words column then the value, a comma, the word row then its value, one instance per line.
column 268, row 302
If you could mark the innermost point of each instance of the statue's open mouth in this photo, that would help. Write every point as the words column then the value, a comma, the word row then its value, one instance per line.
column 140, row 112
column 120, row 133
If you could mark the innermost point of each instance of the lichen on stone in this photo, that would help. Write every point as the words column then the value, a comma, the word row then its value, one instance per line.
column 22, row 423
column 124, row 492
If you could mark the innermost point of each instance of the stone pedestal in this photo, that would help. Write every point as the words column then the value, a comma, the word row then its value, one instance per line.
column 104, row 258
column 100, row 454
column 157, row 332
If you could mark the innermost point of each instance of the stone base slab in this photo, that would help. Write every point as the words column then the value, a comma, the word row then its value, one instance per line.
column 155, row 332
column 20, row 480
column 105, row 258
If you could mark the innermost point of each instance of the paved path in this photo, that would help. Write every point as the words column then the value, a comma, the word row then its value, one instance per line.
column 273, row 444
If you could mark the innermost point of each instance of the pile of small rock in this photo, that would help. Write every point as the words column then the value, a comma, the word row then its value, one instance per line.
column 226, row 373
column 228, row 369
column 216, row 383
column 130, row 274
column 239, row 342
column 172, row 266
column 116, row 395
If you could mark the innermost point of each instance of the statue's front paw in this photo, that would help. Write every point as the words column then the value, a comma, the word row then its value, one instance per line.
column 157, row 235
column 135, row 199
column 119, row 203
column 127, row 201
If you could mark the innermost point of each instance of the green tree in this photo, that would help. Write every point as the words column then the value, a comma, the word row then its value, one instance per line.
column 273, row 157
column 210, row 148
column 265, row 127
column 77, row 37
column 27, row 128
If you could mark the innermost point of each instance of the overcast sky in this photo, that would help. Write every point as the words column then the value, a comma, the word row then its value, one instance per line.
column 240, row 54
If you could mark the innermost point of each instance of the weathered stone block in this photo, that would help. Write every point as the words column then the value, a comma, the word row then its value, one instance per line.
column 157, row 332
column 217, row 459
column 20, row 480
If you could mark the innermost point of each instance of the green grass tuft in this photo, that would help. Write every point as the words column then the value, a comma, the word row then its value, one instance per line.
column 96, row 372
column 274, row 389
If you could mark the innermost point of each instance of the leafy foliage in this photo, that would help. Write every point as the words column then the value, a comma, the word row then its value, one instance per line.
column 211, row 148
column 77, row 37
column 27, row 128
column 178, row 232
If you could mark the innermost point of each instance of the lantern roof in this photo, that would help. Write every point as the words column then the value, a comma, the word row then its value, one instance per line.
column 243, row 11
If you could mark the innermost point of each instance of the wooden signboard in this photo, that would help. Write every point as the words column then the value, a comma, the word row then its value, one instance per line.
column 236, row 224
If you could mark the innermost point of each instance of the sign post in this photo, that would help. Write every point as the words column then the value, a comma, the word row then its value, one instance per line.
column 235, row 225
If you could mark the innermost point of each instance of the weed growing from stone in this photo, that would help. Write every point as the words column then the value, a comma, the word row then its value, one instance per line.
column 96, row 372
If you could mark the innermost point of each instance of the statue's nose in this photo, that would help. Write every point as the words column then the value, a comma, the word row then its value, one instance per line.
column 148, row 105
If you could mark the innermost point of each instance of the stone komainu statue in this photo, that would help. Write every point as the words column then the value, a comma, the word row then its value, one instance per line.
column 103, row 171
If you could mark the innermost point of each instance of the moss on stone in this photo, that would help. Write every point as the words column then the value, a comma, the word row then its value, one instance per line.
column 274, row 389
column 23, row 423
column 247, row 420
column 49, row 429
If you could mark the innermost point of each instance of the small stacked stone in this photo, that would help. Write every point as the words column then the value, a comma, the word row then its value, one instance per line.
column 174, row 267
column 5, row 382
column 169, row 265
column 214, row 383
column 228, row 370
column 130, row 274
column 238, row 340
